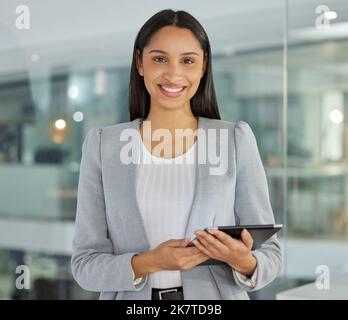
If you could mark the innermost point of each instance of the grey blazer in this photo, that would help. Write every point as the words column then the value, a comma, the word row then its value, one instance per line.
column 109, row 229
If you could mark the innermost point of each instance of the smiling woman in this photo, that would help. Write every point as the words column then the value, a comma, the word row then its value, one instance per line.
column 133, row 223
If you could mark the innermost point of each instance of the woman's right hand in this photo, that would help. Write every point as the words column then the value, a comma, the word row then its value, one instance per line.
column 174, row 255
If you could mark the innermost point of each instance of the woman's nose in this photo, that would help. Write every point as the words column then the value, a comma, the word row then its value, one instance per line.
column 173, row 72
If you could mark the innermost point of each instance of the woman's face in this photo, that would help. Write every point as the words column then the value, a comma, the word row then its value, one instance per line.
column 172, row 65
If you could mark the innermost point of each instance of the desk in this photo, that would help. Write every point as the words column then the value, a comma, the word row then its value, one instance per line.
column 338, row 291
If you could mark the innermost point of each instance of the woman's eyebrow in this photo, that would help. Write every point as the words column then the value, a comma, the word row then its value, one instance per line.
column 183, row 54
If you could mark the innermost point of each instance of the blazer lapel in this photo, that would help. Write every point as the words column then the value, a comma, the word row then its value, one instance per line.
column 203, row 209
column 120, row 186
column 138, row 220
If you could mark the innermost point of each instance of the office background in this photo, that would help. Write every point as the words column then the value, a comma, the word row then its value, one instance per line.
column 277, row 65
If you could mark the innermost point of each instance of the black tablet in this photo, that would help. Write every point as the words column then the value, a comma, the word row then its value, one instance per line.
column 259, row 233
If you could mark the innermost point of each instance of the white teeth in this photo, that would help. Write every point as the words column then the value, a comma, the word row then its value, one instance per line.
column 171, row 89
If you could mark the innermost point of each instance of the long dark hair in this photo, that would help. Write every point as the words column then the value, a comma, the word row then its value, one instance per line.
column 204, row 102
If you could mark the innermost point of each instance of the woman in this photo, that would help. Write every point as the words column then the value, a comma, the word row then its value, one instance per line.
column 135, row 219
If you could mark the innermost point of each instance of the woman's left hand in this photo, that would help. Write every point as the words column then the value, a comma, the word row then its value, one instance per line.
column 220, row 246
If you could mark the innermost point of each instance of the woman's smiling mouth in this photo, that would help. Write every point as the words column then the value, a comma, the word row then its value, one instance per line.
column 171, row 91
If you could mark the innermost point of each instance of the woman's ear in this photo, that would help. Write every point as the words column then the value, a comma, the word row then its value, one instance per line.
column 139, row 63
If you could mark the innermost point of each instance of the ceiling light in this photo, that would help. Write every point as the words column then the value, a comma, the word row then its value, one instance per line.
column 35, row 57
column 73, row 92
column 336, row 116
column 60, row 124
column 330, row 15
column 78, row 116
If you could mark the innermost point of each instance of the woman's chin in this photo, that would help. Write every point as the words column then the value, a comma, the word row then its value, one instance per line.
column 170, row 103
column 171, row 106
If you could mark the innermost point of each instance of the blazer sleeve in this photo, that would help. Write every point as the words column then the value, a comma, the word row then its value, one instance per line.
column 95, row 267
column 253, row 206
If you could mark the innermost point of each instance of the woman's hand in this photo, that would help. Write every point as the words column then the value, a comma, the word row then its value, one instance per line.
column 174, row 255
column 220, row 246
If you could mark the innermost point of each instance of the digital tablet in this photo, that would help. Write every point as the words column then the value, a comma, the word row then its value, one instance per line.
column 259, row 233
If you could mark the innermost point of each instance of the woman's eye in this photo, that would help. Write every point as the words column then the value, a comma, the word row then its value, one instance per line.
column 162, row 60
column 159, row 59
column 188, row 61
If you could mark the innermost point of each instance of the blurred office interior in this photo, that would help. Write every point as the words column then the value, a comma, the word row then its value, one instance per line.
column 276, row 66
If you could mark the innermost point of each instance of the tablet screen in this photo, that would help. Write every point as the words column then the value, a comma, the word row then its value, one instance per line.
column 259, row 233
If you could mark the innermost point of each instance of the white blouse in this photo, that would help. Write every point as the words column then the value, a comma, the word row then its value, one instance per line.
column 164, row 192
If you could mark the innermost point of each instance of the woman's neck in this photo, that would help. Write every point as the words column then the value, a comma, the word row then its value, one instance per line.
column 172, row 119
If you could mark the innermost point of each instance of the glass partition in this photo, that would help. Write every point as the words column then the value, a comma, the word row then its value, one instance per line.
column 317, row 139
